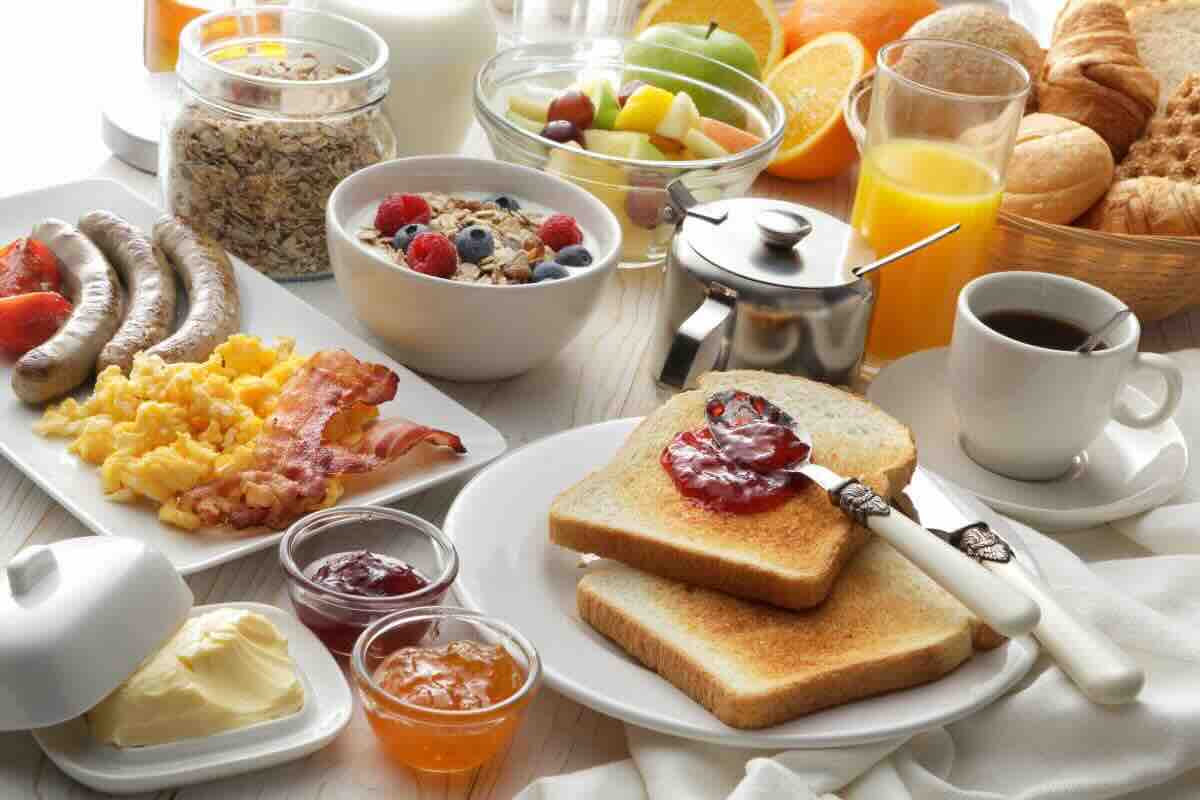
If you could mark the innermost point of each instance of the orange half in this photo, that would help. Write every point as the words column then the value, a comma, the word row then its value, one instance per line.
column 812, row 83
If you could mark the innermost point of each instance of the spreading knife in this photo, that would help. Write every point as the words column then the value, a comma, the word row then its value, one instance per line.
column 748, row 428
column 1099, row 667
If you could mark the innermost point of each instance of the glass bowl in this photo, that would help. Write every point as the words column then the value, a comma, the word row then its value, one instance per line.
column 435, row 739
column 634, row 189
column 337, row 618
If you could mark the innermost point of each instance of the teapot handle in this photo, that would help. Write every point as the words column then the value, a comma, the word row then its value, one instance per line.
column 719, row 305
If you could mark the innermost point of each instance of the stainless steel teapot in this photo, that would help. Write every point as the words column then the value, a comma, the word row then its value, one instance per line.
column 754, row 283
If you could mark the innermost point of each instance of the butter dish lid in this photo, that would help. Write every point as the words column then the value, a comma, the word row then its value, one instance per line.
column 77, row 617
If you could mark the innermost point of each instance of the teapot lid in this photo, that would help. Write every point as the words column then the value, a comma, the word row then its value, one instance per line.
column 773, row 242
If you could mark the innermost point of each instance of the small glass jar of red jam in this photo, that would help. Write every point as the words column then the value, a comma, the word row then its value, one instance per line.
column 349, row 566
column 444, row 689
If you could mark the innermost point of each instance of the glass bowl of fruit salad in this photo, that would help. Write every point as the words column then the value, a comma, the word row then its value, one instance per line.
column 625, row 118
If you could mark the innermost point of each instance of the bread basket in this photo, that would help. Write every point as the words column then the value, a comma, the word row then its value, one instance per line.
column 1156, row 276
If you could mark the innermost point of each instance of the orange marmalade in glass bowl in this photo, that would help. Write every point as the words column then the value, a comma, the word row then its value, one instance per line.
column 444, row 688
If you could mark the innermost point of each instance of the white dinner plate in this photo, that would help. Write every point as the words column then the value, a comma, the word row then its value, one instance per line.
column 1124, row 472
column 268, row 311
column 512, row 571
column 328, row 706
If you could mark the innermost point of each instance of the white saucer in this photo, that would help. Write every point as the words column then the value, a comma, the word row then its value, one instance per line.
column 512, row 571
column 1123, row 472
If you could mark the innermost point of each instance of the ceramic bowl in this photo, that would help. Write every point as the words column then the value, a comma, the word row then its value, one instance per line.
column 466, row 331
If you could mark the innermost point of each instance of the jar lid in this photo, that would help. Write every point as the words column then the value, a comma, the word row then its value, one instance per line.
column 772, row 242
column 77, row 617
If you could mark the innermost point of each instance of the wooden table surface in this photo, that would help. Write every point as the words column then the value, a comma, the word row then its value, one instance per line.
column 50, row 135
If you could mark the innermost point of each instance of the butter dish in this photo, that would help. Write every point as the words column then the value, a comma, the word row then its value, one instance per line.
column 78, row 617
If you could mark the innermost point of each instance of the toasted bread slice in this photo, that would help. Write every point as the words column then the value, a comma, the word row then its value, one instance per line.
column 789, row 556
column 885, row 626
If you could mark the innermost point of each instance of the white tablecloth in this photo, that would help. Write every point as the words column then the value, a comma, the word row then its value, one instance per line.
column 1041, row 740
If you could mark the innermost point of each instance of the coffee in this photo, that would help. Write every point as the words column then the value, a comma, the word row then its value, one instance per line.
column 1037, row 329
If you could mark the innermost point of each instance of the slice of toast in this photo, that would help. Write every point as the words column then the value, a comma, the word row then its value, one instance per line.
column 789, row 556
column 1168, row 41
column 885, row 626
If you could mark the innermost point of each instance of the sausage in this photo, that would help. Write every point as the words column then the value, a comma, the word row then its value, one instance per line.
column 149, row 284
column 66, row 359
column 207, row 274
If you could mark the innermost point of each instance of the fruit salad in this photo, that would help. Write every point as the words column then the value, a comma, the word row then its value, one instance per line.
column 644, row 133
column 639, row 121
column 494, row 240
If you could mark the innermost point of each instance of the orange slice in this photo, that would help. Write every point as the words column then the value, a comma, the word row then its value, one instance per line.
column 756, row 21
column 812, row 84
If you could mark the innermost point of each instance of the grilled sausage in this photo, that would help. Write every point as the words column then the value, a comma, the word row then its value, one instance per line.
column 207, row 274
column 149, row 284
column 66, row 359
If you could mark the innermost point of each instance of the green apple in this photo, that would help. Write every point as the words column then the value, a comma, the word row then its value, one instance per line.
column 604, row 102
column 702, row 146
column 681, row 117
column 703, row 40
column 622, row 144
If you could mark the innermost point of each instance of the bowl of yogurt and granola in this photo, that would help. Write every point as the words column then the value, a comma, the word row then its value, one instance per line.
column 469, row 269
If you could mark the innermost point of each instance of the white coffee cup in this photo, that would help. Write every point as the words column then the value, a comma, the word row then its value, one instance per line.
column 1026, row 412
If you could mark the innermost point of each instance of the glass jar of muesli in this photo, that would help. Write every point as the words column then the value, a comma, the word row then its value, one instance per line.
column 275, row 106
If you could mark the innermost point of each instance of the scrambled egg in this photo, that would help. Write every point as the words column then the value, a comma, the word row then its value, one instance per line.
column 168, row 428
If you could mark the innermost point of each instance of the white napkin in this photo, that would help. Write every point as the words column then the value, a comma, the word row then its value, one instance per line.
column 1041, row 740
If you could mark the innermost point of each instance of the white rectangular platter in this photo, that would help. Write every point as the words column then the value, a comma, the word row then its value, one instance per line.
column 268, row 311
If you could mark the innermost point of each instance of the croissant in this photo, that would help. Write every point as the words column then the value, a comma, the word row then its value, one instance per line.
column 1092, row 73
column 1147, row 206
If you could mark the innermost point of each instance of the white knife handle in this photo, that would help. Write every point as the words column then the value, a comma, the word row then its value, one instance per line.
column 1007, row 611
column 1102, row 670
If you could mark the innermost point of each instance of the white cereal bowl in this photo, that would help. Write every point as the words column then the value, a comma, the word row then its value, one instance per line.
column 466, row 331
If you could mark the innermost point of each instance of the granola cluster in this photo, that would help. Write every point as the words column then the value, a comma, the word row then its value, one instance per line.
column 258, row 184
column 518, row 248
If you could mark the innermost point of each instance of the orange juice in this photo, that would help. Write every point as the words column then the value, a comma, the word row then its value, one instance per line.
column 908, row 189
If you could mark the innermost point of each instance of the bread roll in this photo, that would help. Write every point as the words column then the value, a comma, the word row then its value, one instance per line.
column 1093, row 75
column 1170, row 147
column 1147, row 206
column 1058, row 169
column 984, row 26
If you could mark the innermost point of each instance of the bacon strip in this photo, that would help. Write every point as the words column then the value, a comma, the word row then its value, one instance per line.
column 293, row 465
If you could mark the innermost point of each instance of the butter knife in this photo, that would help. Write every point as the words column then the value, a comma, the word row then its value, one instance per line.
column 1103, row 671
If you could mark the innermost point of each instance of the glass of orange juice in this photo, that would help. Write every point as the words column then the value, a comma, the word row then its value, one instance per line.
column 944, row 117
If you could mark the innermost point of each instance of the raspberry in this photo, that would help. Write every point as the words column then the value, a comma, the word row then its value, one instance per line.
column 398, row 210
column 433, row 254
column 559, row 231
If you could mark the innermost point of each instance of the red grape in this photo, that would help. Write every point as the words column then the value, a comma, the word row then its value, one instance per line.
column 563, row 131
column 645, row 200
column 574, row 107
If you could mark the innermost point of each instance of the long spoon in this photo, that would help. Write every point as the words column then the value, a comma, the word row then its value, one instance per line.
column 759, row 435
column 904, row 251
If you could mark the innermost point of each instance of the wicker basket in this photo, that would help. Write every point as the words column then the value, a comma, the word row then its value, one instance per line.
column 1156, row 276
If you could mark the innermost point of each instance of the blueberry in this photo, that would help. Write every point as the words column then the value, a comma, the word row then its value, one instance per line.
column 407, row 233
column 575, row 255
column 474, row 244
column 549, row 271
column 505, row 202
